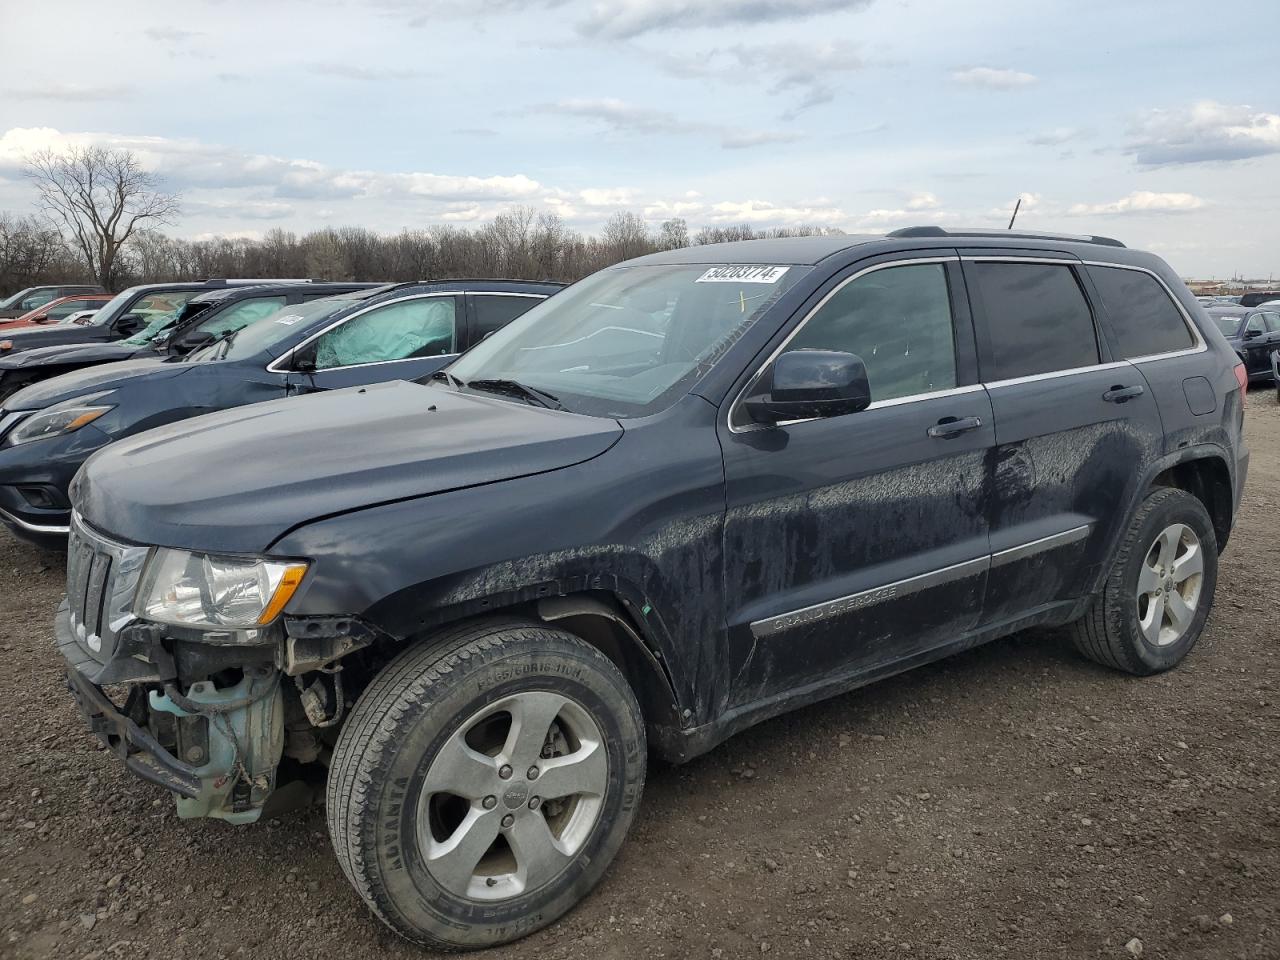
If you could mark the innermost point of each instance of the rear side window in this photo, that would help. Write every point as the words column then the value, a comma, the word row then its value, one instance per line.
column 492, row 313
column 898, row 320
column 1038, row 320
column 1144, row 321
column 1273, row 321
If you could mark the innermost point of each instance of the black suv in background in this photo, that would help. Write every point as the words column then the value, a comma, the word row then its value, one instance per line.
column 201, row 319
column 24, row 301
column 129, row 312
column 1253, row 333
column 399, row 331
column 688, row 493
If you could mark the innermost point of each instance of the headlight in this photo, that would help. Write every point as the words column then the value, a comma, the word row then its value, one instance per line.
column 195, row 590
column 66, row 417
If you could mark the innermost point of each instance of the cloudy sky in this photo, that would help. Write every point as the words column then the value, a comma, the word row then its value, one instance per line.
column 1129, row 118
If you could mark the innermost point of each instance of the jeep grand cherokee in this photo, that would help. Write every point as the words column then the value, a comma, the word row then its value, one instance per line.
column 688, row 493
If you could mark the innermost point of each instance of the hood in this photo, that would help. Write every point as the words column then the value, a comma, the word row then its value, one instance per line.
column 107, row 376
column 71, row 353
column 236, row 481
column 49, row 334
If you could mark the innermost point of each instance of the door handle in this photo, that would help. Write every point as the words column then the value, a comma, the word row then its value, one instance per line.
column 949, row 427
column 1120, row 394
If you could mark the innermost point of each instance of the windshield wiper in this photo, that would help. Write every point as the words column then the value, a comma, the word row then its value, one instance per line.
column 447, row 377
column 513, row 388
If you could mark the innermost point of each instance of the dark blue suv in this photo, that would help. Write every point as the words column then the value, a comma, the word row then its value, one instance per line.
column 302, row 345
column 690, row 492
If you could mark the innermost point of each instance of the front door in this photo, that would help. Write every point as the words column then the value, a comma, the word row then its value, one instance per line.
column 1258, row 344
column 855, row 542
column 402, row 340
column 1075, row 430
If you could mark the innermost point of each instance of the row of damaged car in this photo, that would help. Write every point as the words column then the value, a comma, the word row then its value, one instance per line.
column 161, row 353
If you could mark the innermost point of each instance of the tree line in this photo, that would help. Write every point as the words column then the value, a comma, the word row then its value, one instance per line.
column 522, row 243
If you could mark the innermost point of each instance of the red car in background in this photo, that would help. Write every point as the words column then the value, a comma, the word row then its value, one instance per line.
column 55, row 311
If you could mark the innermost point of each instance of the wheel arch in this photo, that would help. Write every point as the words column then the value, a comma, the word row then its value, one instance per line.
column 1206, row 476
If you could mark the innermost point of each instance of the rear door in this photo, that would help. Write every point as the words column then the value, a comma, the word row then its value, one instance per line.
column 856, row 542
column 1073, row 429
column 401, row 340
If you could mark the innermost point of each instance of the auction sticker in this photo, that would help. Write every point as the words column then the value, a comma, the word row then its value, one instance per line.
column 743, row 273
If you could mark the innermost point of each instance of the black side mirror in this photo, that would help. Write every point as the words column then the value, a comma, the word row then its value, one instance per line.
column 1252, row 334
column 192, row 341
column 806, row 384
column 130, row 324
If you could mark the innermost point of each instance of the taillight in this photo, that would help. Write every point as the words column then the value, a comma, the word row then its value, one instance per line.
column 1242, row 381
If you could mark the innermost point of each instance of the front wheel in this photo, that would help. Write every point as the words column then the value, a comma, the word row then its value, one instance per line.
column 484, row 782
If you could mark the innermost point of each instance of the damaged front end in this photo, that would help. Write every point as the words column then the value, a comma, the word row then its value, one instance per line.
column 207, row 711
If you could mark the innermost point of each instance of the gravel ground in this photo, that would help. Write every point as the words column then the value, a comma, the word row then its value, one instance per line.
column 1014, row 800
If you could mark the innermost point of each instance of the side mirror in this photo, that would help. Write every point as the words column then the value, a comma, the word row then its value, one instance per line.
column 1252, row 334
column 806, row 384
column 40, row 318
column 189, row 342
column 130, row 324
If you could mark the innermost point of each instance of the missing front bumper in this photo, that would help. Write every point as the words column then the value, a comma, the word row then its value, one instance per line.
column 228, row 740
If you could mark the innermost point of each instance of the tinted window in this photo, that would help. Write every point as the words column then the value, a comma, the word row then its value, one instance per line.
column 493, row 313
column 1038, row 320
column 1144, row 320
column 412, row 328
column 898, row 320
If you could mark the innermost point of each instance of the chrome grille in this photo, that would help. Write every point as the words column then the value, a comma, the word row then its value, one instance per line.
column 102, row 577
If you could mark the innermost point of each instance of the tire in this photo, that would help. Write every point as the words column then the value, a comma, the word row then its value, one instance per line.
column 393, row 825
column 1112, row 630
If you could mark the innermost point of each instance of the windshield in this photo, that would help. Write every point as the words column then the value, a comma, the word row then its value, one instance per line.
column 1227, row 323
column 11, row 301
column 623, row 342
column 264, row 334
column 113, row 306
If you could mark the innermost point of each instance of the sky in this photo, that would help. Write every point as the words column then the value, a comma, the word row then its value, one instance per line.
column 1154, row 122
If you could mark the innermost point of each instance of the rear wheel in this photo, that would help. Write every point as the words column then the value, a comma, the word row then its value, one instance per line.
column 1155, row 602
column 484, row 782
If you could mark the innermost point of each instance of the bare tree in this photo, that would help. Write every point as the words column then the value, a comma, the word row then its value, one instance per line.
column 99, row 197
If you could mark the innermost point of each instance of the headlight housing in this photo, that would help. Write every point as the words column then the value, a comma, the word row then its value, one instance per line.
column 210, row 592
column 62, row 418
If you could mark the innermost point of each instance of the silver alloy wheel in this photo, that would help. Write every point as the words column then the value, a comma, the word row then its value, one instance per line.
column 1169, row 585
column 512, row 796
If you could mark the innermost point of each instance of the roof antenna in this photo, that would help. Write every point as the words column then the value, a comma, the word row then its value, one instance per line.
column 1016, row 207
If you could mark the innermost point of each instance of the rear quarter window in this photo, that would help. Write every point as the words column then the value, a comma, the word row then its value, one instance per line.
column 1144, row 320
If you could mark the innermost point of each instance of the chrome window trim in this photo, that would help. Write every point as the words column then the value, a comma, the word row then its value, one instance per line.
column 1200, row 345
column 751, row 427
column 287, row 357
column 1055, row 374
column 1015, row 258
column 48, row 529
column 909, row 585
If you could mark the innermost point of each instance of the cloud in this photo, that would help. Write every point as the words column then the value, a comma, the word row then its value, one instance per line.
column 171, row 34
column 241, row 209
column 767, row 214
column 72, row 92
column 1141, row 201
column 805, row 69
column 1204, row 132
column 923, row 201
column 623, row 117
column 1056, row 137
column 993, row 78
column 352, row 71
column 624, row 19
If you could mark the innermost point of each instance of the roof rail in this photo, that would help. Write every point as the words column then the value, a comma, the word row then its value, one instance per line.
column 934, row 231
